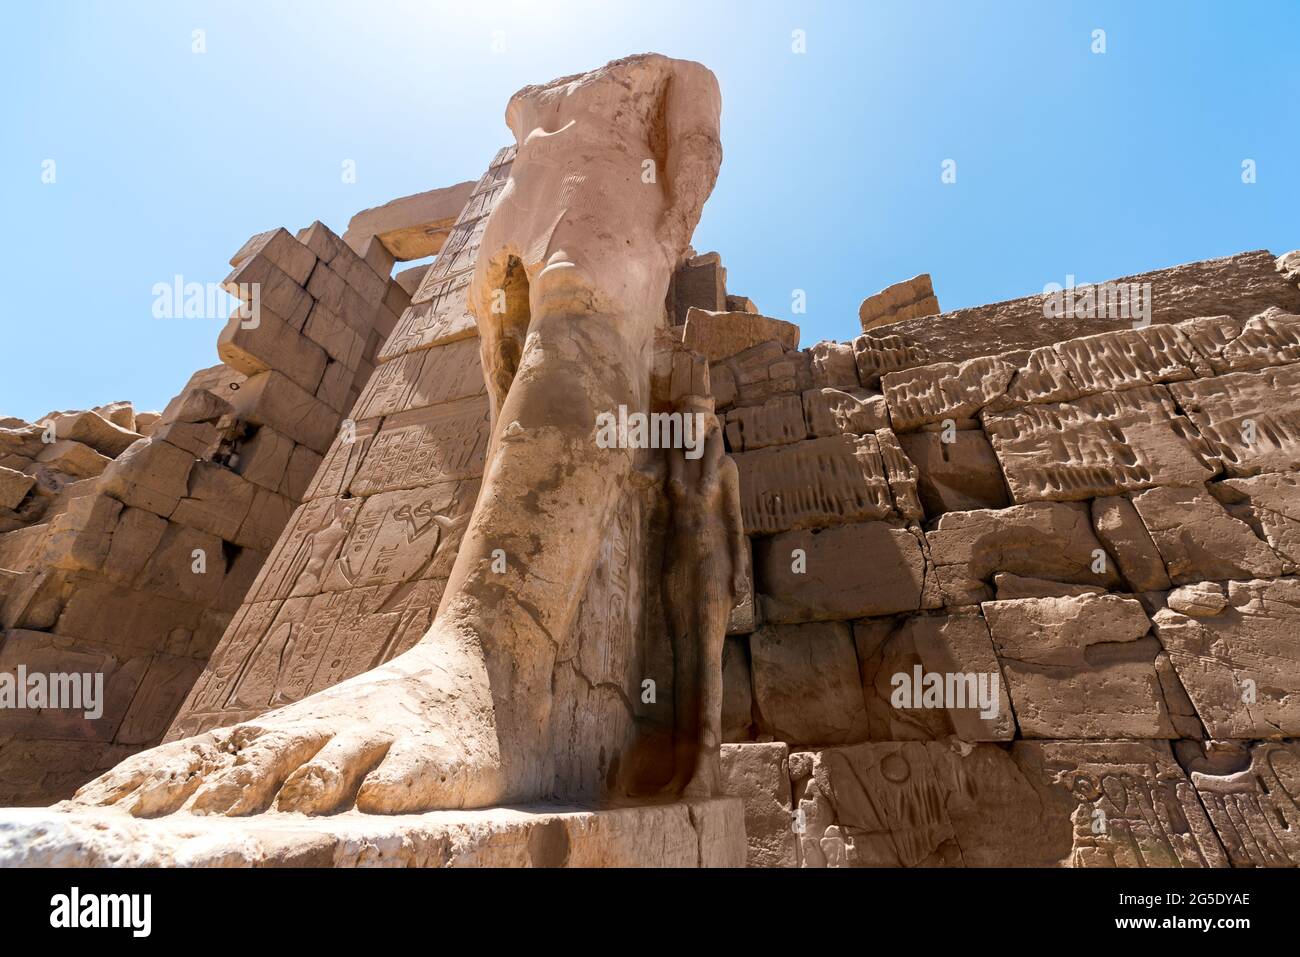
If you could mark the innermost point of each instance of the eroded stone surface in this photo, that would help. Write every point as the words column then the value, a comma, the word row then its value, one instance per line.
column 1241, row 667
column 806, row 684
column 903, row 300
column 1041, row 804
column 760, row 774
column 1080, row 667
column 1240, row 286
column 1249, row 420
column 814, row 483
column 957, row 472
column 720, row 335
column 1099, row 445
column 973, row 704
column 1042, row 540
column 1256, row 810
column 1198, row 540
column 849, row 571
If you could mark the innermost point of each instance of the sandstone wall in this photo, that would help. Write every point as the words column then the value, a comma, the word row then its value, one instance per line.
column 1107, row 524
column 1240, row 286
column 127, row 555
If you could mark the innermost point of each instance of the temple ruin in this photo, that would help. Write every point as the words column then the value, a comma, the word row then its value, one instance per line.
column 1010, row 585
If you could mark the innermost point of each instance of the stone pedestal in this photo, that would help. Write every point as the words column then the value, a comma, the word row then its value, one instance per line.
column 695, row 834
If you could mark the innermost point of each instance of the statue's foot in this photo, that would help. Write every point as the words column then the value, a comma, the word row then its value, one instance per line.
column 413, row 735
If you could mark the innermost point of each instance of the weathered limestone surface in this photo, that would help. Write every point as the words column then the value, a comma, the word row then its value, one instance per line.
column 1042, row 540
column 814, row 483
column 778, row 421
column 1250, row 421
column 1199, row 541
column 831, row 411
column 1128, row 543
column 720, row 335
column 957, row 474
column 1107, row 522
column 806, row 684
column 1270, row 504
column 848, row 571
column 958, row 644
column 1099, row 445
column 834, row 366
column 699, row 282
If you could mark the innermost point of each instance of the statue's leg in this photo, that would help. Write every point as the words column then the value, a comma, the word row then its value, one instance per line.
column 686, row 686
column 462, row 718
column 712, row 611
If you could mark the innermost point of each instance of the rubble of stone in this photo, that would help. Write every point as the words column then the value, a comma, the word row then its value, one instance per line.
column 1103, row 524
column 128, row 540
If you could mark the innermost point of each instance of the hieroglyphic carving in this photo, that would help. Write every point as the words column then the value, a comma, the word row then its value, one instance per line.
column 815, row 483
column 426, row 447
column 393, row 538
column 354, row 581
column 420, row 379
column 1072, row 803
column 306, row 551
column 277, row 652
column 443, row 318
column 1101, row 444
column 1251, row 420
column 1256, row 811
column 374, row 625
column 461, row 248
column 1136, row 806
column 227, row 666
column 342, row 460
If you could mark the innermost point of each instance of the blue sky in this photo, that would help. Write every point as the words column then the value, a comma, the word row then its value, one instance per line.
column 1068, row 162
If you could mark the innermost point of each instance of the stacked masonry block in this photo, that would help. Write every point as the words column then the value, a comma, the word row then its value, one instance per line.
column 358, row 573
column 145, row 545
column 1107, row 524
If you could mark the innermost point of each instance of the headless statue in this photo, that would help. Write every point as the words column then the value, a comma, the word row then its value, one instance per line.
column 704, row 568
column 612, row 172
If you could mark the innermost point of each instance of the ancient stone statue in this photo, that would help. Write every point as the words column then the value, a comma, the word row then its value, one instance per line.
column 612, row 170
column 703, row 573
